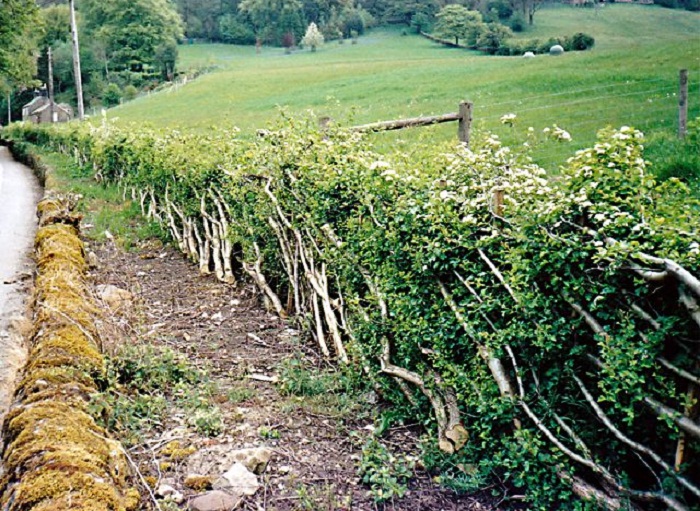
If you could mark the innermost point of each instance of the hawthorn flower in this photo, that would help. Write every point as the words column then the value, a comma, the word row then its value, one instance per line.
column 378, row 165
column 508, row 119
column 560, row 134
column 389, row 174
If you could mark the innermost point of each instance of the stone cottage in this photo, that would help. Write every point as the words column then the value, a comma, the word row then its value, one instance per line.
column 38, row 110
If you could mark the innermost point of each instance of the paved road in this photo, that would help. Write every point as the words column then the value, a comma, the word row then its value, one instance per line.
column 19, row 193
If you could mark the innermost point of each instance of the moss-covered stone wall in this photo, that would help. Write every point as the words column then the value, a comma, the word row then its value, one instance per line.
column 56, row 457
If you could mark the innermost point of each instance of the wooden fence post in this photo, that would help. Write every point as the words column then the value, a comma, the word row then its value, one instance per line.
column 465, row 122
column 497, row 202
column 683, row 104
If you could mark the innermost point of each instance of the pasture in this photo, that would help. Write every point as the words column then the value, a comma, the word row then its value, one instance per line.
column 629, row 78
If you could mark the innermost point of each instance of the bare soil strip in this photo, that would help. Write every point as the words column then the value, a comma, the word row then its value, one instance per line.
column 316, row 443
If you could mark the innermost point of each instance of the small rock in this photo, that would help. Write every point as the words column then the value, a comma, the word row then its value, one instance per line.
column 165, row 490
column 176, row 497
column 115, row 298
column 215, row 501
column 284, row 469
column 92, row 260
column 169, row 493
column 197, row 482
column 254, row 459
column 238, row 479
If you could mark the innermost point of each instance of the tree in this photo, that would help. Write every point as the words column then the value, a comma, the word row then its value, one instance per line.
column 201, row 18
column 313, row 37
column 528, row 8
column 165, row 57
column 133, row 31
column 56, row 25
column 458, row 22
column 18, row 42
column 235, row 31
column 406, row 10
column 493, row 37
column 272, row 18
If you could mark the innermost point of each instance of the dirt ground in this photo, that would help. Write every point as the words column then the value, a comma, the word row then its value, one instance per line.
column 224, row 328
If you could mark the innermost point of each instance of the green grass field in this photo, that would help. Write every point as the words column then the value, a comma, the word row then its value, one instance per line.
column 630, row 77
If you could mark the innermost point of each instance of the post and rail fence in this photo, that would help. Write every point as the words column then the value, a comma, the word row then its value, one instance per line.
column 463, row 116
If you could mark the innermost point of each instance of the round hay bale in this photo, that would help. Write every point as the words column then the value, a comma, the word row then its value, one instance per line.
column 528, row 55
column 556, row 50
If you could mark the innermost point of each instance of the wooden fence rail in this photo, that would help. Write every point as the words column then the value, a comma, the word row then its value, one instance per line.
column 463, row 116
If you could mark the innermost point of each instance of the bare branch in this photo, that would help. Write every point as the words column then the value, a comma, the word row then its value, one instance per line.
column 588, row 318
column 645, row 316
column 495, row 365
column 670, row 266
column 631, row 443
column 683, row 422
column 680, row 372
column 691, row 304
column 498, row 275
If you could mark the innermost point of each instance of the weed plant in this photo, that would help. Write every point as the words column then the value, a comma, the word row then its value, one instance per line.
column 387, row 474
column 143, row 384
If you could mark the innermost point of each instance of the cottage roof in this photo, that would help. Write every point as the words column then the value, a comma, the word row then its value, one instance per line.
column 36, row 103
column 60, row 106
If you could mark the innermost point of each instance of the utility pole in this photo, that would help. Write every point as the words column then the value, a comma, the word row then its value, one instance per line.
column 52, row 103
column 76, row 60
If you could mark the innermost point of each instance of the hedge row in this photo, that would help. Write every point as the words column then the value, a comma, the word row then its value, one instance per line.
column 55, row 455
column 500, row 44
column 545, row 331
column 516, row 47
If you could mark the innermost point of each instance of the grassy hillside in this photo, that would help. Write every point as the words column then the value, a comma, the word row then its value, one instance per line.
column 630, row 77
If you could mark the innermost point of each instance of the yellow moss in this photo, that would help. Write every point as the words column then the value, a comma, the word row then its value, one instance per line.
column 151, row 481
column 52, row 432
column 176, row 452
column 61, row 242
column 67, row 345
column 39, row 378
column 198, row 483
column 61, row 305
column 49, row 206
column 132, row 499
column 73, row 394
column 56, row 489
column 56, row 457
column 164, row 466
column 58, row 233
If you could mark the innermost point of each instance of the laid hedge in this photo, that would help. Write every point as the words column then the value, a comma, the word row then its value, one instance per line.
column 545, row 331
